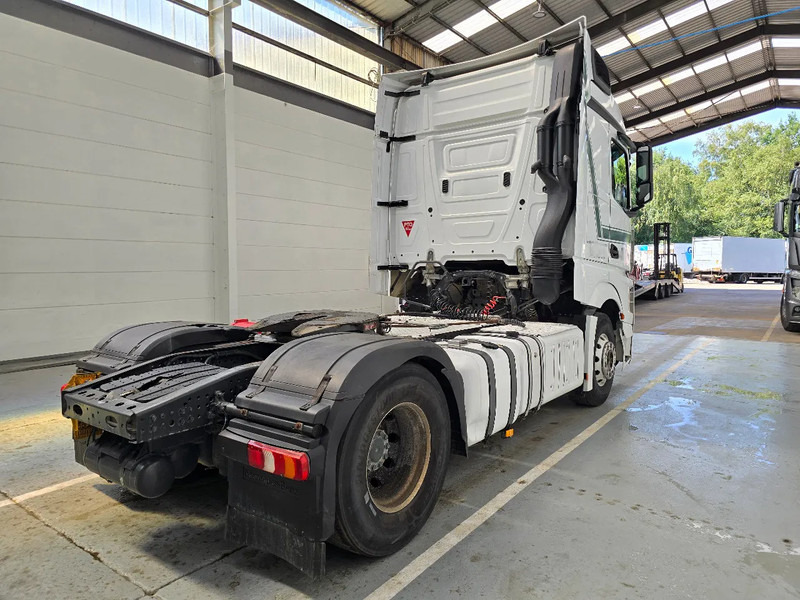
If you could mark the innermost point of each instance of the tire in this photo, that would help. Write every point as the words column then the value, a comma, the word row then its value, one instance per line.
column 399, row 438
column 787, row 324
column 605, row 361
column 743, row 278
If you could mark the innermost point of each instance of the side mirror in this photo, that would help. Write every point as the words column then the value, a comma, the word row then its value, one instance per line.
column 778, row 216
column 644, row 175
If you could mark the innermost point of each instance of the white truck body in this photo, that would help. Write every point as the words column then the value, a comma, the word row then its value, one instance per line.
column 758, row 258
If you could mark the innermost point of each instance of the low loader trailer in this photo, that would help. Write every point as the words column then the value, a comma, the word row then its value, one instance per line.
column 503, row 189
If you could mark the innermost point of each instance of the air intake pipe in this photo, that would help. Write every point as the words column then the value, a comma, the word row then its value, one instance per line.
column 556, row 150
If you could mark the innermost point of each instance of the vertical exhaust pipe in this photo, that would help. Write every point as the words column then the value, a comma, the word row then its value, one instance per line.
column 556, row 146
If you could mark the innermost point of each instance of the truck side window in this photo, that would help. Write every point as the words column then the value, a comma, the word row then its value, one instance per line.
column 619, row 174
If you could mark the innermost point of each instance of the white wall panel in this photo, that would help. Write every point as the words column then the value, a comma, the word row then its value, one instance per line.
column 105, row 191
column 303, row 182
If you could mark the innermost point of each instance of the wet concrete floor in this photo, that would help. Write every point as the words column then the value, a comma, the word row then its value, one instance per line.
column 691, row 489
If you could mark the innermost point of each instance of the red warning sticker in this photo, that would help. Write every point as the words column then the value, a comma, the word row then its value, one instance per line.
column 408, row 226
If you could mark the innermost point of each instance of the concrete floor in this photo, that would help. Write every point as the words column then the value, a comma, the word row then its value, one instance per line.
column 687, row 487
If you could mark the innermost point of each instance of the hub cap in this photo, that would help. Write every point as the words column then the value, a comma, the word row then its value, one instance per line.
column 605, row 359
column 398, row 457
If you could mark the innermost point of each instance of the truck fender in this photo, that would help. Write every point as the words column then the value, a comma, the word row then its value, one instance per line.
column 602, row 293
column 323, row 379
column 138, row 343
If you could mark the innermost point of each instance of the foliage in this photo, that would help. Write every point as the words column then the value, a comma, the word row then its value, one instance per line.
column 742, row 172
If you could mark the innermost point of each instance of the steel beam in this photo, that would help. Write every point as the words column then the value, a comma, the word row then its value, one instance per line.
column 417, row 14
column 297, row 13
column 704, row 53
column 720, row 91
column 624, row 17
column 726, row 119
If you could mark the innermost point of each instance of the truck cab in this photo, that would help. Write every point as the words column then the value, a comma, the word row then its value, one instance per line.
column 787, row 223
column 508, row 181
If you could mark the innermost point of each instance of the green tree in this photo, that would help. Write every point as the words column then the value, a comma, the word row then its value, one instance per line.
column 676, row 199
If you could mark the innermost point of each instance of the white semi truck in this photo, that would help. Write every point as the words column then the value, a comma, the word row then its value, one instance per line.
column 503, row 191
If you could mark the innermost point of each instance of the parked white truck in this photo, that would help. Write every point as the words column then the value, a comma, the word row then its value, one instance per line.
column 738, row 259
column 502, row 200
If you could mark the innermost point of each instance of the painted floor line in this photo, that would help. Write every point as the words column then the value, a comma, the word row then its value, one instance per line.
column 771, row 328
column 47, row 490
column 419, row 565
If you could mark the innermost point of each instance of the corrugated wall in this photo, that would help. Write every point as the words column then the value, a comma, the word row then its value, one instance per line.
column 105, row 199
column 303, row 182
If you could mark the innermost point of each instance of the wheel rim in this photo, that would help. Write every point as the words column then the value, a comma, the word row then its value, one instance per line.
column 398, row 457
column 605, row 360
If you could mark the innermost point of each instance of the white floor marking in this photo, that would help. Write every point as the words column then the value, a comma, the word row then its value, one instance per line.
column 771, row 328
column 47, row 490
column 419, row 565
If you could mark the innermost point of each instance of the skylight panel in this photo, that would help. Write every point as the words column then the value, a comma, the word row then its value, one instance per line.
column 613, row 46
column 646, row 89
column 624, row 97
column 649, row 124
column 712, row 4
column 744, row 50
column 788, row 82
column 785, row 42
column 727, row 97
column 442, row 41
column 506, row 8
column 675, row 77
column 683, row 15
column 648, row 31
column 672, row 116
column 475, row 23
column 699, row 107
column 710, row 64
column 756, row 87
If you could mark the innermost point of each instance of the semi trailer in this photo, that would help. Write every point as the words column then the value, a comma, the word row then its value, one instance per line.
column 738, row 259
column 503, row 189
column 790, row 229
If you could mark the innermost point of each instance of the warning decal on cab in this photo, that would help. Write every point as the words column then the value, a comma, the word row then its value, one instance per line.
column 408, row 226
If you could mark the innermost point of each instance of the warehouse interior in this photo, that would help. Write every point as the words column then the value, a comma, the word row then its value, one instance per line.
column 212, row 160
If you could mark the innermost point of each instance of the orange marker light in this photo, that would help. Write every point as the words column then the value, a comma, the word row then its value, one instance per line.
column 508, row 433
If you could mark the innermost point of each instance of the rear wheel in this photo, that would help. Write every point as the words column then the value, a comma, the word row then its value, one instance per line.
column 743, row 278
column 392, row 463
column 605, row 364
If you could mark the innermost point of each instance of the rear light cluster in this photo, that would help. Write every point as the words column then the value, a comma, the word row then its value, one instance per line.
column 286, row 463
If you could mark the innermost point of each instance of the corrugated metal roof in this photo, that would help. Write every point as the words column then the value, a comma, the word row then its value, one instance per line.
column 630, row 63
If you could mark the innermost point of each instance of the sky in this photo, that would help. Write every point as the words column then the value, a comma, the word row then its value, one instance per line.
column 684, row 147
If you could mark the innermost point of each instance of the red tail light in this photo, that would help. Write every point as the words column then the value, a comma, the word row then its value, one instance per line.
column 286, row 463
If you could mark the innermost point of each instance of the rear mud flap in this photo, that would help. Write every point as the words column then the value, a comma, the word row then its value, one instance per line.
column 256, row 531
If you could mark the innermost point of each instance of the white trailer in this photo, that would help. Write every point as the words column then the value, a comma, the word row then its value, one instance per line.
column 738, row 259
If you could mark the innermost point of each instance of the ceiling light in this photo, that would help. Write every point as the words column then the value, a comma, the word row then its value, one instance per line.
column 744, row 50
column 683, row 15
column 785, row 42
column 710, row 64
column 650, row 87
column 539, row 13
column 648, row 31
column 637, row 106
column 613, row 46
